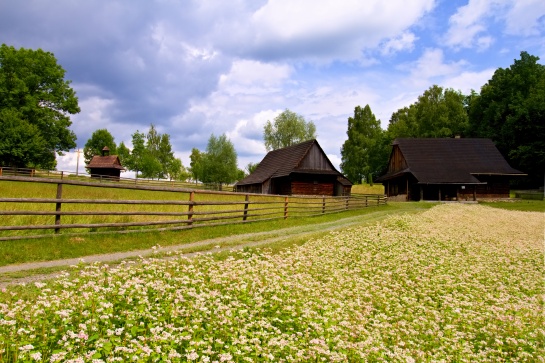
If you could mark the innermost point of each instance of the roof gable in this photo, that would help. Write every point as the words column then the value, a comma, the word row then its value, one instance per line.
column 105, row 162
column 305, row 157
column 443, row 160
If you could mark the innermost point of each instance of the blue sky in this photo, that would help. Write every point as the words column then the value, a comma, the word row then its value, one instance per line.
column 194, row 68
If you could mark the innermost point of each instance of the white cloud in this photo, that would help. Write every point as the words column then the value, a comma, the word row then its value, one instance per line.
column 325, row 28
column 257, row 76
column 468, row 22
column 335, row 160
column 404, row 41
column 432, row 65
column 526, row 17
column 467, row 81
column 69, row 162
column 484, row 43
column 472, row 24
column 95, row 114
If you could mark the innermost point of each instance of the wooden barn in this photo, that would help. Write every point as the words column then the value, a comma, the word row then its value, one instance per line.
column 446, row 169
column 105, row 165
column 301, row 169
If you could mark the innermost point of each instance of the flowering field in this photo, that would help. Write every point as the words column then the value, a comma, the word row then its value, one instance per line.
column 457, row 283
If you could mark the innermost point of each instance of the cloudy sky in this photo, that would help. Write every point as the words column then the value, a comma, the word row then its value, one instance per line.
column 197, row 67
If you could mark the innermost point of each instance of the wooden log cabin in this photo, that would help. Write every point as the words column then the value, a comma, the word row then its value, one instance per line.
column 105, row 165
column 446, row 169
column 301, row 169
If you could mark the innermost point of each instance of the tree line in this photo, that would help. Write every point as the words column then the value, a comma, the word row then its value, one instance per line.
column 36, row 103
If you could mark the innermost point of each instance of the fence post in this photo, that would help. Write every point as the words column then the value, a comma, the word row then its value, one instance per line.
column 347, row 200
column 190, row 215
column 366, row 200
column 285, row 207
column 246, row 207
column 58, row 207
column 62, row 175
column 323, row 204
column 1, row 171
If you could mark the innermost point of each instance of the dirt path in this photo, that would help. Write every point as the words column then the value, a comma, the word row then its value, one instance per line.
column 215, row 245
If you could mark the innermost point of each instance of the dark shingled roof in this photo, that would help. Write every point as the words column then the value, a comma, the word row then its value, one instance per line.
column 105, row 162
column 283, row 162
column 458, row 160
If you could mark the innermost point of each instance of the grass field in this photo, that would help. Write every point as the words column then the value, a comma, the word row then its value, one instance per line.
column 456, row 282
column 368, row 189
column 522, row 205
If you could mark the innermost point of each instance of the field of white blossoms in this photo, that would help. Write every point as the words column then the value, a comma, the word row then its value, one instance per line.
column 458, row 283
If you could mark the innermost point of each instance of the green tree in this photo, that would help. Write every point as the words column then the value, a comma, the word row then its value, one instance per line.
column 176, row 171
column 365, row 152
column 135, row 161
column 403, row 123
column 250, row 168
column 219, row 162
column 241, row 174
column 150, row 167
column 21, row 143
column 196, row 168
column 35, row 103
column 153, row 164
column 438, row 112
column 171, row 166
column 123, row 153
column 441, row 113
column 159, row 146
column 288, row 129
column 99, row 139
column 152, row 156
column 510, row 110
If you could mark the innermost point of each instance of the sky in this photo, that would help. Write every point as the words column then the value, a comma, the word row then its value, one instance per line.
column 194, row 68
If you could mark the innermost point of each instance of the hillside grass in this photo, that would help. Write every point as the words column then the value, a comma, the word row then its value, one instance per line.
column 453, row 283
column 368, row 189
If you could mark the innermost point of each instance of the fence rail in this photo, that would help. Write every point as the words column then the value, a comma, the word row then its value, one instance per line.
column 97, row 178
column 185, row 208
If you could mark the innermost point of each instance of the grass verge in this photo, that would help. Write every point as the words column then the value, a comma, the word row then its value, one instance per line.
column 518, row 204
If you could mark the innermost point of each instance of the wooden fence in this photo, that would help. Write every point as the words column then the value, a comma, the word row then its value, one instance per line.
column 179, row 208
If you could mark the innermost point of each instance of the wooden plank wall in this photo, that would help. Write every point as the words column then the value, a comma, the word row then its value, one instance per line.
column 315, row 160
column 397, row 161
column 309, row 188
